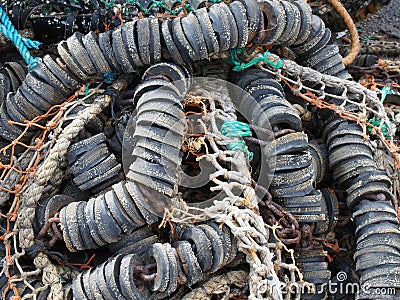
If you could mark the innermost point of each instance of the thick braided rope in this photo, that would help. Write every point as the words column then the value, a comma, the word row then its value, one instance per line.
column 219, row 285
column 49, row 166
column 51, row 275
column 355, row 41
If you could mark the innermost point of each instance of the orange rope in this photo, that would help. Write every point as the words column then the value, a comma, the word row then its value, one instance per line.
column 355, row 43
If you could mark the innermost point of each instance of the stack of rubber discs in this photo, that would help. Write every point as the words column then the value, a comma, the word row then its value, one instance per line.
column 47, row 85
column 210, row 31
column 292, row 24
column 191, row 255
column 369, row 197
column 169, row 82
column 12, row 74
column 219, row 239
column 91, row 162
column 294, row 171
column 352, row 162
column 136, row 242
column 103, row 219
column 328, row 61
column 286, row 22
column 157, row 136
column 319, row 153
column 315, row 271
column 112, row 279
column 378, row 243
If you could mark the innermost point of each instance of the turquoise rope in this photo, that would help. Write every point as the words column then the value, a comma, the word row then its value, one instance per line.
column 109, row 77
column 161, row 4
column 387, row 131
column 385, row 91
column 108, row 4
column 8, row 30
column 261, row 57
column 237, row 129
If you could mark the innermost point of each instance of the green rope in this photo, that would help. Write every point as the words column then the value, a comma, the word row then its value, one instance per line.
column 237, row 129
column 87, row 88
column 108, row 4
column 261, row 57
column 161, row 4
column 385, row 91
column 386, row 130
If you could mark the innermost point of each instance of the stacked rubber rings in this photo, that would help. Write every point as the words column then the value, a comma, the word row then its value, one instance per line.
column 292, row 185
column 157, row 139
column 201, row 249
column 12, row 74
column 378, row 243
column 91, row 162
column 369, row 197
column 292, row 24
column 47, row 85
column 314, row 268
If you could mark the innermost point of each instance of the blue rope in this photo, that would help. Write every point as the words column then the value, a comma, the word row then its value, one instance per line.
column 237, row 129
column 8, row 30
column 109, row 77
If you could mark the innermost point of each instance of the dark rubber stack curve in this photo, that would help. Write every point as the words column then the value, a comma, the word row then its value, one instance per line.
column 292, row 185
column 369, row 197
